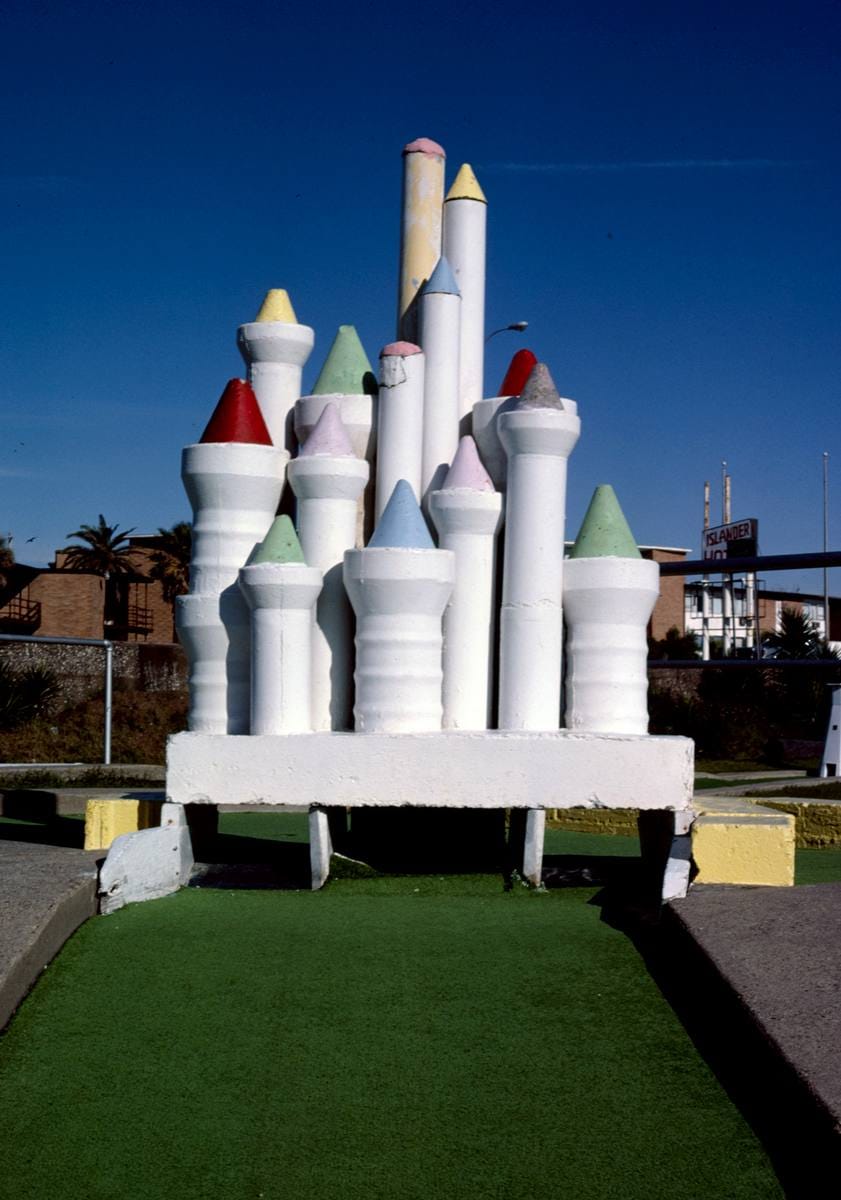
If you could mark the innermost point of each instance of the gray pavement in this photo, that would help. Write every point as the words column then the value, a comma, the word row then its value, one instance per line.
column 779, row 950
column 46, row 892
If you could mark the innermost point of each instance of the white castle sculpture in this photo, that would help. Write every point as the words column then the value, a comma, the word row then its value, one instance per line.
column 287, row 704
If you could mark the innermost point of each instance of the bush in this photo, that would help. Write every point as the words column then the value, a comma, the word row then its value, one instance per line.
column 141, row 722
column 25, row 694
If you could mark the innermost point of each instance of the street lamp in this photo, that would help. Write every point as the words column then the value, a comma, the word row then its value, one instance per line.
column 517, row 327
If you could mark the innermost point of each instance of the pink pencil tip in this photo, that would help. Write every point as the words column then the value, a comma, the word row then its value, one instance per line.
column 467, row 470
column 424, row 146
column 400, row 349
column 328, row 436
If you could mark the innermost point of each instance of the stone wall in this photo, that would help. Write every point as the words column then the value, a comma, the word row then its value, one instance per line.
column 80, row 670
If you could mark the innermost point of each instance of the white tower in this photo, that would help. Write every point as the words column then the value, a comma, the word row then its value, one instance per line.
column 467, row 513
column 609, row 594
column 328, row 479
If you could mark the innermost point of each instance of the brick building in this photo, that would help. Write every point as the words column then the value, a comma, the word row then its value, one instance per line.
column 56, row 602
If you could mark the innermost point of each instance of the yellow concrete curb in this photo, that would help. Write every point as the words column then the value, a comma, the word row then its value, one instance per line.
column 107, row 818
column 737, row 841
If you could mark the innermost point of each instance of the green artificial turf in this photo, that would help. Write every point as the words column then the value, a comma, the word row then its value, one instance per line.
column 411, row 1037
column 817, row 865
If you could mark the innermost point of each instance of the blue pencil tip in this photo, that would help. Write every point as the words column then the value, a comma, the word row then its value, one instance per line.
column 401, row 525
column 442, row 279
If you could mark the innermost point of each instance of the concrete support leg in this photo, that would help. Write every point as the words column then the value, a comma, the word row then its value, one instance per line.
column 666, row 847
column 321, row 847
column 533, row 847
column 679, row 863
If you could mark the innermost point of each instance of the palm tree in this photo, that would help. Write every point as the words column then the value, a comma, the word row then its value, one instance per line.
column 171, row 563
column 105, row 551
column 7, row 557
column 171, row 560
column 797, row 637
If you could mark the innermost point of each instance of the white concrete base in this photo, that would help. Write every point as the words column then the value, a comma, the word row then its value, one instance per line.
column 451, row 769
column 147, row 864
column 321, row 847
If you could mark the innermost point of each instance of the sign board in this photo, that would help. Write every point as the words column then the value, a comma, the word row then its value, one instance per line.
column 739, row 539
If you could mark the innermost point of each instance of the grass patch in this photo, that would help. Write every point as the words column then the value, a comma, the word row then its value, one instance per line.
column 817, row 865
column 408, row 1037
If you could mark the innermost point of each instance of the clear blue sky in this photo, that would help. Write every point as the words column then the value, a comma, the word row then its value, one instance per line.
column 663, row 186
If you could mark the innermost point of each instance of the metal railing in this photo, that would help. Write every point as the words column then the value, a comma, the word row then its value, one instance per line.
column 754, row 565
column 109, row 674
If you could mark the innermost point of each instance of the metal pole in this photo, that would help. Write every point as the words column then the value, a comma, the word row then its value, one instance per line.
column 705, row 585
column 728, row 622
column 109, row 677
column 826, row 543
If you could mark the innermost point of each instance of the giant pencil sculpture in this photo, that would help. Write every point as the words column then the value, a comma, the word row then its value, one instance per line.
column 268, row 624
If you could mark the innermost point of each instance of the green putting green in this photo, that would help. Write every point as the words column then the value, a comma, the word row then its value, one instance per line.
column 411, row 1037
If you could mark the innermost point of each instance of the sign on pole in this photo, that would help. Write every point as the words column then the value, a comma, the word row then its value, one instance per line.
column 739, row 539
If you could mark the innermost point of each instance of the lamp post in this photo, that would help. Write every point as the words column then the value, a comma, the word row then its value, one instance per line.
column 516, row 327
column 826, row 543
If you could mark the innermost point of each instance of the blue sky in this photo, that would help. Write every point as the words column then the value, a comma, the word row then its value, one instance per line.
column 663, row 185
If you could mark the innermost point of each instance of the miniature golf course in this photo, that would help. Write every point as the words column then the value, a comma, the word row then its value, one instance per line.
column 389, row 1036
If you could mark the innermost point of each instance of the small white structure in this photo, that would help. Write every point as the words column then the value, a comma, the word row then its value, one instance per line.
column 538, row 435
column 399, row 586
column 831, row 760
column 275, row 348
column 281, row 592
column 400, row 421
column 609, row 593
column 328, row 479
column 464, row 242
column 467, row 513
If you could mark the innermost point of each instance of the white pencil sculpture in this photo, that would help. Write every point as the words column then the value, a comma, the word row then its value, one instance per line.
column 399, row 586
column 538, row 436
column 268, row 624
column 233, row 479
column 328, row 479
column 464, row 247
column 467, row 513
column 440, row 323
column 275, row 348
column 399, row 421
column 609, row 593
column 420, row 228
column 281, row 592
